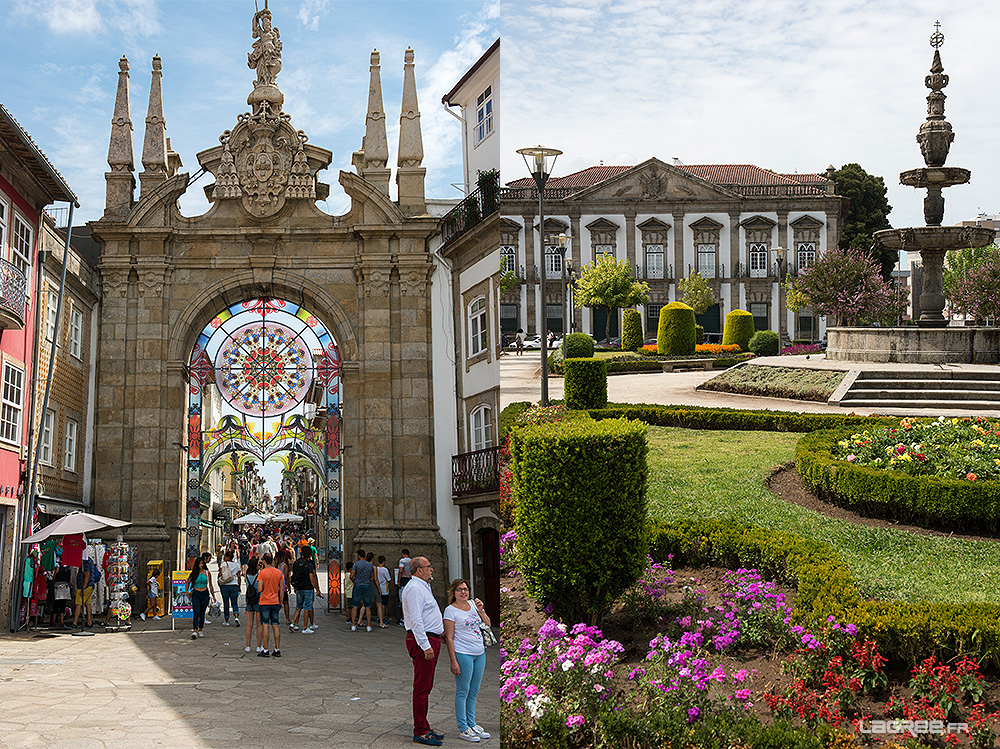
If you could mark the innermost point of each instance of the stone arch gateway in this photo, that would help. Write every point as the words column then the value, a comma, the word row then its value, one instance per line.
column 365, row 274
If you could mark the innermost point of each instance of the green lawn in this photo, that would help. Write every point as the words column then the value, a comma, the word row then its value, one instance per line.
column 721, row 474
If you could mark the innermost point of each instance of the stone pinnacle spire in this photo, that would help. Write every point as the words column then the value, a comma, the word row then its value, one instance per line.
column 410, row 175
column 120, row 180
column 375, row 146
column 154, row 147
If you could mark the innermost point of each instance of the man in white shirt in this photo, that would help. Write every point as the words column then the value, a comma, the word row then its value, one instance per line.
column 424, row 627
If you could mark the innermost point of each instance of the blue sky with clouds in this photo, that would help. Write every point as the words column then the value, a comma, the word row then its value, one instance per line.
column 788, row 85
column 60, row 59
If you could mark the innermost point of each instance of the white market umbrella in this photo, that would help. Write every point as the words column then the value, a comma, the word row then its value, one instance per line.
column 74, row 522
column 289, row 517
column 254, row 518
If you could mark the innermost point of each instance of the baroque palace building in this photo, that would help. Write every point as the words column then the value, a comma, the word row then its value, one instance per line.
column 725, row 221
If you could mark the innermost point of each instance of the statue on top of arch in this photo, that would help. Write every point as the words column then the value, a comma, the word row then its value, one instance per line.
column 266, row 54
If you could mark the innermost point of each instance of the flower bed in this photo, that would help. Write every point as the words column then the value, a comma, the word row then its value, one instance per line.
column 964, row 449
column 802, row 348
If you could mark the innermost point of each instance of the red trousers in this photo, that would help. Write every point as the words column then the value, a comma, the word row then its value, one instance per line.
column 423, row 680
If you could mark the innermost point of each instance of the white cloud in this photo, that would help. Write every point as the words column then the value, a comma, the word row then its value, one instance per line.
column 310, row 12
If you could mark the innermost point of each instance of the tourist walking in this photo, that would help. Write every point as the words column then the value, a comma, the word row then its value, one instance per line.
column 199, row 585
column 230, row 573
column 520, row 341
column 462, row 634
column 271, row 585
column 382, row 577
column 283, row 565
column 253, row 605
column 424, row 627
column 305, row 583
column 361, row 574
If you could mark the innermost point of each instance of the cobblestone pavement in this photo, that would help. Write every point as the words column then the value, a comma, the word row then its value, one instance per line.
column 155, row 688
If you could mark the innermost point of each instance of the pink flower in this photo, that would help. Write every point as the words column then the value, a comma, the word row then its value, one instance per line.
column 575, row 721
column 970, row 476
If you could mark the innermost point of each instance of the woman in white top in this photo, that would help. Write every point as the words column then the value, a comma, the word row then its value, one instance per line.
column 468, row 655
column 230, row 574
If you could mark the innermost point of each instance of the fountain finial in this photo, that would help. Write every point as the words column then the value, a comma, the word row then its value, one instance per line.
column 935, row 134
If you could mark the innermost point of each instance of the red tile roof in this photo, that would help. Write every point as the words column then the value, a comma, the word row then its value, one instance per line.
column 592, row 175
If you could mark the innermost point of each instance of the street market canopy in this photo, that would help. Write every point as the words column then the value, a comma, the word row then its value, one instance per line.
column 74, row 522
column 288, row 517
column 254, row 518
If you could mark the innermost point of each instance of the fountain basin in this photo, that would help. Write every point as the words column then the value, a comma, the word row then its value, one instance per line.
column 935, row 176
column 948, row 345
column 941, row 238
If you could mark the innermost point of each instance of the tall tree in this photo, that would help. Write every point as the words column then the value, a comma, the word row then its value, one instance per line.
column 867, row 212
column 972, row 282
column 608, row 283
column 696, row 293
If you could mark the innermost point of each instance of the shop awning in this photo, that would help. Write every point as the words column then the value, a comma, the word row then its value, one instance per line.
column 58, row 506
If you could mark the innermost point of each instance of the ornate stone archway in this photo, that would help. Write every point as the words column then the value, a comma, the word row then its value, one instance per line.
column 366, row 273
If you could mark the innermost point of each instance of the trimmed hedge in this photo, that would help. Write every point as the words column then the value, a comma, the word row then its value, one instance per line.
column 580, row 489
column 765, row 343
column 631, row 330
column 585, row 383
column 738, row 328
column 508, row 417
column 905, row 632
column 703, row 417
column 675, row 335
column 924, row 500
column 579, row 346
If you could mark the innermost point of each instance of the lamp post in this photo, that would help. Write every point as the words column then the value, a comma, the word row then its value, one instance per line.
column 540, row 161
column 564, row 245
column 782, row 262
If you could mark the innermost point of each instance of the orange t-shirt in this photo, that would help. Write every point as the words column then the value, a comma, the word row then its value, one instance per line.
column 269, row 582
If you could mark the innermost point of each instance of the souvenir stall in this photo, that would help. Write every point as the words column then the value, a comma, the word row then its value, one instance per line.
column 117, row 573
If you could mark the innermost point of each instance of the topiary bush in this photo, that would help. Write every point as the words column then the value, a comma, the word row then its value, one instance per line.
column 765, row 343
column 676, row 335
column 586, row 383
column 631, row 330
column 738, row 328
column 699, row 334
column 580, row 490
column 579, row 346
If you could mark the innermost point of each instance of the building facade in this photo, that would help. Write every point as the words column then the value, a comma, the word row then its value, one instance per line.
column 28, row 182
column 476, row 95
column 743, row 228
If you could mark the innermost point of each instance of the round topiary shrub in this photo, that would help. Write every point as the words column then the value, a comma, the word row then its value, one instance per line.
column 579, row 346
column 738, row 328
column 631, row 330
column 764, row 343
column 676, row 335
column 586, row 383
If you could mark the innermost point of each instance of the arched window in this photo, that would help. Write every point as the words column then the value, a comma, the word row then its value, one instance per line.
column 478, row 331
column 481, row 423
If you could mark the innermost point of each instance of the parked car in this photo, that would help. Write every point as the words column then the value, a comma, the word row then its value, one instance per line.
column 531, row 342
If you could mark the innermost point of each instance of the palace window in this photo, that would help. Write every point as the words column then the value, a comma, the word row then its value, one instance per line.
column 654, row 261
column 758, row 259
column 69, row 456
column 652, row 319
column 706, row 260
column 484, row 115
column 11, row 404
column 759, row 312
column 76, row 333
column 806, row 254
column 553, row 261
column 654, row 243
column 482, row 428
column 45, row 454
column 478, row 331
column 508, row 259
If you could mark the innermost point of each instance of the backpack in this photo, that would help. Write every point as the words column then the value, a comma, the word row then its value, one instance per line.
column 301, row 571
column 95, row 574
column 225, row 574
column 253, row 595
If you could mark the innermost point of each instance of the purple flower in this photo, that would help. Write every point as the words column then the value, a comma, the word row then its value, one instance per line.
column 575, row 721
column 693, row 714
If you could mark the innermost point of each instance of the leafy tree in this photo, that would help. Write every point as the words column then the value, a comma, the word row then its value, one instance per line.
column 972, row 282
column 846, row 284
column 508, row 280
column 867, row 212
column 608, row 283
column 696, row 293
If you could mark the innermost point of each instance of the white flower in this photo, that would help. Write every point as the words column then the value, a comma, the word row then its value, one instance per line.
column 536, row 706
column 567, row 665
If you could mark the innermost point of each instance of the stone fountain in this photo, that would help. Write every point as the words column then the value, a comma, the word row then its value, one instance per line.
column 931, row 341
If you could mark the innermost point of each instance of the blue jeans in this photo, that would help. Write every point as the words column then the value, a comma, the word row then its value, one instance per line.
column 467, row 687
column 199, row 599
column 230, row 593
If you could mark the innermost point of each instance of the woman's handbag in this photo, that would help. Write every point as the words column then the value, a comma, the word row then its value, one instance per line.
column 61, row 591
column 489, row 639
column 214, row 609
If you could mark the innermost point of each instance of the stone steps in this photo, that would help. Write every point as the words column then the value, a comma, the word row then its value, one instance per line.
column 926, row 389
